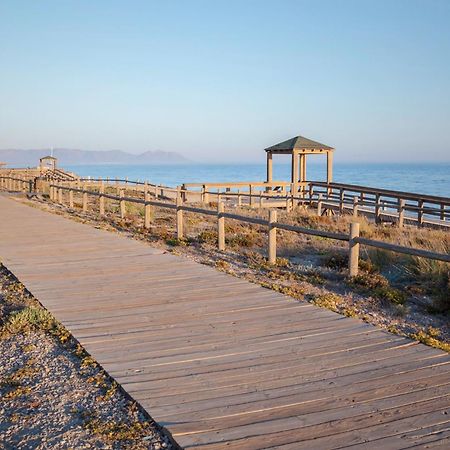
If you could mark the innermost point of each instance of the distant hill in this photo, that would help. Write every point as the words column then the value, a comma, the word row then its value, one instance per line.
column 71, row 157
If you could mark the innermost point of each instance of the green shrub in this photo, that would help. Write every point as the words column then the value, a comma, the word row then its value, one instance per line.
column 390, row 294
column 30, row 318
column 369, row 280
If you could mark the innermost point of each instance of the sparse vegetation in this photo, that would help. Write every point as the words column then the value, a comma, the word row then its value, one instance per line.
column 328, row 301
column 430, row 337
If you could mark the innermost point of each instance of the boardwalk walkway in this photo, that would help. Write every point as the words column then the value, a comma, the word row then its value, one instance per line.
column 221, row 362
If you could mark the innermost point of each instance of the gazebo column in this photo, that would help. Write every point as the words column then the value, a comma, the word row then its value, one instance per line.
column 302, row 172
column 329, row 167
column 269, row 167
column 302, row 168
column 294, row 171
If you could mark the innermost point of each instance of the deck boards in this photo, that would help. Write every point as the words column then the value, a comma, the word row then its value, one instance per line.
column 223, row 363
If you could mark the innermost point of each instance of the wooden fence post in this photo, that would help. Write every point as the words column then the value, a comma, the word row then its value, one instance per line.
column 341, row 201
column 442, row 215
column 311, row 193
column 319, row 205
column 353, row 255
column 355, row 206
column 420, row 213
column 377, row 209
column 71, row 196
column 179, row 216
column 250, row 192
column 205, row 194
column 85, row 198
column 401, row 212
column 272, row 236
column 147, row 210
column 102, row 199
column 220, row 226
column 239, row 198
column 122, row 204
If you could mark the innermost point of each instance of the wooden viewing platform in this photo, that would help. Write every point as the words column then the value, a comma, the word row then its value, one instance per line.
column 221, row 362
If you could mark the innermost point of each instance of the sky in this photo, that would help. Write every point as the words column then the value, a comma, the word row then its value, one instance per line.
column 221, row 80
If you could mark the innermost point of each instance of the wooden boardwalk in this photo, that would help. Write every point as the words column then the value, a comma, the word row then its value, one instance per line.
column 223, row 363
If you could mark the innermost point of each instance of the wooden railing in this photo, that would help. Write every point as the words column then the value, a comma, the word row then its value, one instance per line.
column 382, row 204
column 16, row 183
column 353, row 238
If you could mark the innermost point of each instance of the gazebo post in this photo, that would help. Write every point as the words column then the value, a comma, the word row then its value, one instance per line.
column 302, row 171
column 329, row 167
column 304, row 168
column 269, row 167
column 294, row 170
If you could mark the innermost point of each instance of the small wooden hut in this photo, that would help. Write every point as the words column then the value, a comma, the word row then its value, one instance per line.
column 47, row 163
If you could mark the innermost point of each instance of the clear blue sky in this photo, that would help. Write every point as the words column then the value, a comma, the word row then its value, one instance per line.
column 221, row 80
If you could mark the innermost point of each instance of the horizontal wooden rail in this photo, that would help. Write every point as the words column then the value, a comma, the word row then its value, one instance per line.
column 383, row 192
column 405, row 250
column 232, row 184
column 254, row 220
column 313, row 232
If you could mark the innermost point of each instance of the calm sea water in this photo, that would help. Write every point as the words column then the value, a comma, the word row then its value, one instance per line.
column 431, row 179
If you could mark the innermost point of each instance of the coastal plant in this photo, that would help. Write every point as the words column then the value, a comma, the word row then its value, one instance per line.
column 431, row 336
column 208, row 237
column 113, row 431
column 335, row 260
column 328, row 301
column 29, row 318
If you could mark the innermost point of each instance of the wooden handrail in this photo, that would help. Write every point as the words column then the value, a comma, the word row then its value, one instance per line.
column 405, row 250
column 385, row 192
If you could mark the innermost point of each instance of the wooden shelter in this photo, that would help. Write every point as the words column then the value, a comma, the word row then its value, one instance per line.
column 299, row 147
column 47, row 163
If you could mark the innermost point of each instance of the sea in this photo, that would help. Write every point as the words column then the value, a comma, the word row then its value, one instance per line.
column 433, row 179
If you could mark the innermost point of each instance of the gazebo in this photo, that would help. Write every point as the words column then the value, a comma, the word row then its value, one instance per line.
column 47, row 162
column 299, row 147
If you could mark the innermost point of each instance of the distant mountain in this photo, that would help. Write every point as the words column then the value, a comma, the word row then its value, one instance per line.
column 71, row 157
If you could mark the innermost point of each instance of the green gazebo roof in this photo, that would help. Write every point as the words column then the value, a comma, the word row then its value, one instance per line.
column 298, row 143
